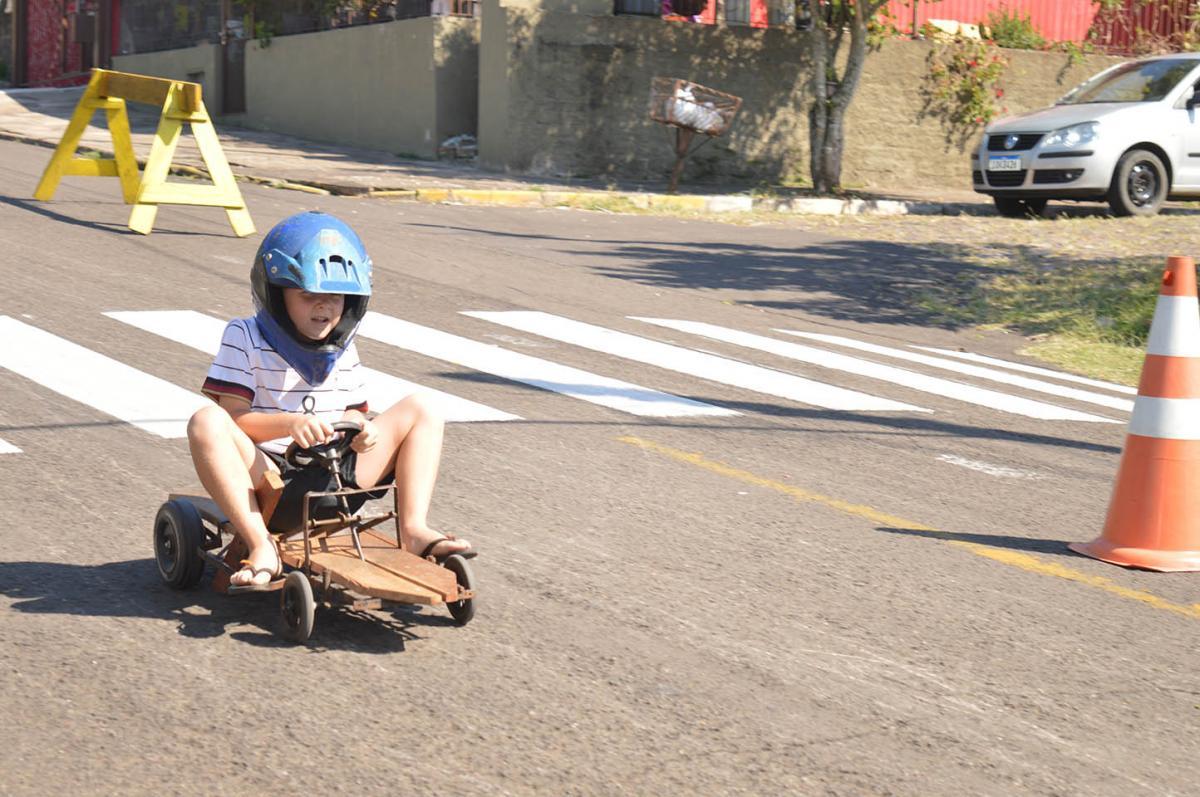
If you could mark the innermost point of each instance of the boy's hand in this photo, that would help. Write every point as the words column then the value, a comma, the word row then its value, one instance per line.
column 309, row 430
column 365, row 440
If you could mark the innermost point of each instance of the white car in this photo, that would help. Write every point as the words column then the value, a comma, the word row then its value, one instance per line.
column 1130, row 136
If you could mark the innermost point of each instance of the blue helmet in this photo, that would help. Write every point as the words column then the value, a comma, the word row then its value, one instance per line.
column 317, row 253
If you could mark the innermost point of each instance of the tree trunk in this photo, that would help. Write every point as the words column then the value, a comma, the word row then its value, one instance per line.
column 831, row 96
column 818, row 114
column 826, row 141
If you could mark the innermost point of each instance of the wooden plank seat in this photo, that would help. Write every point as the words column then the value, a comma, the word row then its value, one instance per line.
column 388, row 572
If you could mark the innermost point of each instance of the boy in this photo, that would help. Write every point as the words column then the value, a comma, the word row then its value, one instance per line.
column 311, row 281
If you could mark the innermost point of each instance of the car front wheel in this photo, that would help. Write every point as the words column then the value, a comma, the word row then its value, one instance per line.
column 1139, row 184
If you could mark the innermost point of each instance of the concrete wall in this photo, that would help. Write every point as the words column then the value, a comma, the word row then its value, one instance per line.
column 456, row 76
column 578, row 93
column 200, row 64
column 566, row 93
column 401, row 87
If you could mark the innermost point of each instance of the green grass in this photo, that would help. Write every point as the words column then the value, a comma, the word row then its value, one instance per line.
column 1088, row 317
column 1110, row 361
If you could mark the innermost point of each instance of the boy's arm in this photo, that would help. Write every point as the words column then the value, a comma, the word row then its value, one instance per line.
column 263, row 426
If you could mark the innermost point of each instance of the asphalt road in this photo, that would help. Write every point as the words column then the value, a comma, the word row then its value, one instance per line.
column 790, row 600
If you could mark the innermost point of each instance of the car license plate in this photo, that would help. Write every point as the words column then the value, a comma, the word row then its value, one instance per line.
column 1005, row 163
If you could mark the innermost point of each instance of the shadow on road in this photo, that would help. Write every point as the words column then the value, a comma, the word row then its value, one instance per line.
column 1030, row 544
column 867, row 281
column 132, row 589
column 944, row 284
column 43, row 209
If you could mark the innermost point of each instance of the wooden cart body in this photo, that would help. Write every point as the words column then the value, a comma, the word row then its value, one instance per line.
column 347, row 559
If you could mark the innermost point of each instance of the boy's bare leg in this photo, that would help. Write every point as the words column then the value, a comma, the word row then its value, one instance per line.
column 410, row 441
column 230, row 467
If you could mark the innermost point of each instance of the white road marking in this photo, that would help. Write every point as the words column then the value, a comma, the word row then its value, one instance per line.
column 889, row 373
column 8, row 448
column 203, row 332
column 490, row 359
column 149, row 403
column 694, row 363
column 521, row 342
column 970, row 370
column 1031, row 369
column 992, row 470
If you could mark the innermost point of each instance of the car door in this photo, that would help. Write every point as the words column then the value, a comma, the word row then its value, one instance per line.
column 1185, row 121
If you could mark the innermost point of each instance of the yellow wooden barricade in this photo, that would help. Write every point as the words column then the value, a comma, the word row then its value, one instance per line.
column 181, row 104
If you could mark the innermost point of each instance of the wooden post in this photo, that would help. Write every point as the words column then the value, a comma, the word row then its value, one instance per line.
column 683, row 140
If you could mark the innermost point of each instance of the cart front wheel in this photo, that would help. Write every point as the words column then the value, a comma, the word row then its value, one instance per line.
column 462, row 611
column 178, row 538
column 298, row 607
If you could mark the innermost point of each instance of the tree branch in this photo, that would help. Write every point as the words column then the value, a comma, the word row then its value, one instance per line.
column 864, row 12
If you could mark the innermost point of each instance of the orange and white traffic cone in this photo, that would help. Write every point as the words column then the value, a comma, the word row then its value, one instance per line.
column 1154, row 516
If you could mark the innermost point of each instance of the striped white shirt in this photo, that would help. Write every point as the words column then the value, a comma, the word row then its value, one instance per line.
column 247, row 367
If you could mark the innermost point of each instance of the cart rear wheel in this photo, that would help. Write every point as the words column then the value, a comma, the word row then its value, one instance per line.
column 178, row 538
column 462, row 611
column 298, row 607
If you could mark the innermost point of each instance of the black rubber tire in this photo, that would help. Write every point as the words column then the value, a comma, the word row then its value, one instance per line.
column 1019, row 208
column 462, row 611
column 1139, row 184
column 178, row 538
column 297, row 606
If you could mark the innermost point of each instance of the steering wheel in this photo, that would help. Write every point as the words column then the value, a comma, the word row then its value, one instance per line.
column 324, row 453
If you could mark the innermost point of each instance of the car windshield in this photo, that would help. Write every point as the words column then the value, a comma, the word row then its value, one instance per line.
column 1144, row 81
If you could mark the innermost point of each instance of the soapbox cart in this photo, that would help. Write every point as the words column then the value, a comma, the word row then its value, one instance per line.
column 336, row 557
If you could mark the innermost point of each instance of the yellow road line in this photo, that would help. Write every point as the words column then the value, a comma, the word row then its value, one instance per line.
column 1024, row 561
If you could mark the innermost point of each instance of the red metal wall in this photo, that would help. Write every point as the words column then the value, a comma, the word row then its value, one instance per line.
column 49, row 58
column 1055, row 20
column 1142, row 26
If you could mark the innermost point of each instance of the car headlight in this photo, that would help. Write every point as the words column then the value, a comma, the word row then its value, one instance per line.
column 1072, row 136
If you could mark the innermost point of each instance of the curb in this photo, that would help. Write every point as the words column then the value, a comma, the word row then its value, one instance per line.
column 583, row 200
column 695, row 203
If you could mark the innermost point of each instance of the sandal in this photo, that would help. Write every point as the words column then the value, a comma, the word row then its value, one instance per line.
column 470, row 553
column 272, row 583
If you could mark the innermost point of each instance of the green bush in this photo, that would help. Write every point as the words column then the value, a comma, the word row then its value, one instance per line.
column 1013, row 31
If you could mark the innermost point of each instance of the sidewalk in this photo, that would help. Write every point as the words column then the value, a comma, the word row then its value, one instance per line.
column 40, row 116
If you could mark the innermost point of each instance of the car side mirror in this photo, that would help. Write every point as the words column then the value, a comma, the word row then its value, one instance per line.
column 1194, row 100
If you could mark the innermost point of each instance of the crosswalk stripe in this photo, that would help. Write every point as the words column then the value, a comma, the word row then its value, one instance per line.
column 573, row 382
column 8, row 448
column 970, row 370
column 100, row 382
column 203, row 332
column 899, row 376
column 693, row 363
column 1030, row 369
